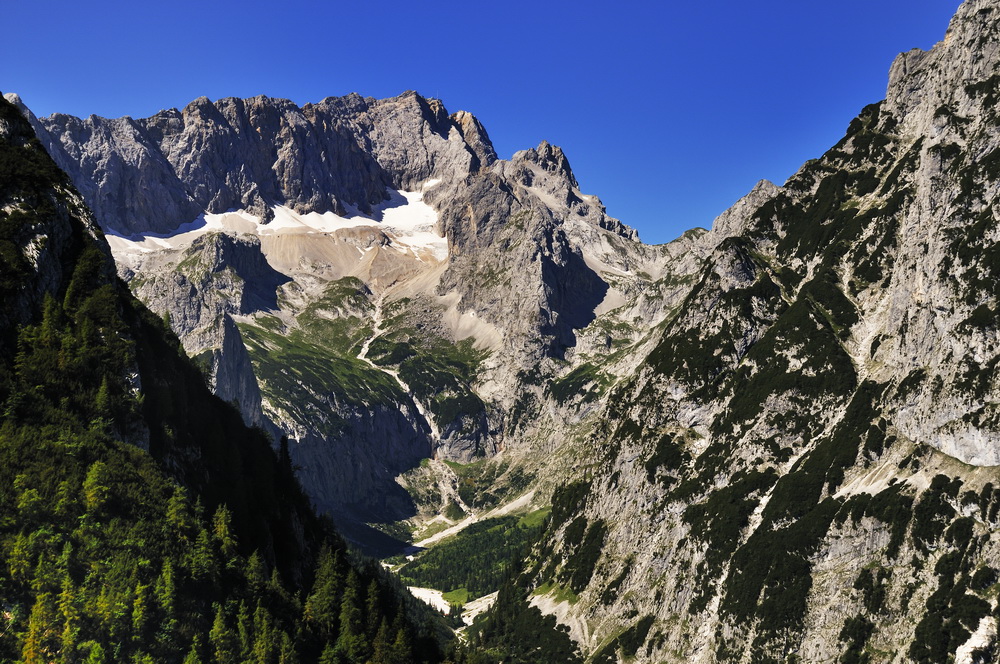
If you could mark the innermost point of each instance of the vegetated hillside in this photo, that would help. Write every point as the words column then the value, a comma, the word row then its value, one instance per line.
column 140, row 519
column 805, row 468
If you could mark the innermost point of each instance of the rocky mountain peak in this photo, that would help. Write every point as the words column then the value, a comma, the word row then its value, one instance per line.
column 256, row 153
column 550, row 158
column 475, row 137
column 737, row 219
column 951, row 73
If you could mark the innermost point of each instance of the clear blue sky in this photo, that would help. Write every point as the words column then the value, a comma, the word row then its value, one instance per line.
column 669, row 111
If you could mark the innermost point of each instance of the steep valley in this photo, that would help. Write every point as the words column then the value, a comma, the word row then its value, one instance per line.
column 776, row 440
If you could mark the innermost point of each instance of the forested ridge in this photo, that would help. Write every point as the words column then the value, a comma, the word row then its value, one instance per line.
column 200, row 547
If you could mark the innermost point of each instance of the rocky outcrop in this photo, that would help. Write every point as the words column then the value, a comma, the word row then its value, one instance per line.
column 154, row 174
column 804, row 465
column 199, row 290
column 531, row 263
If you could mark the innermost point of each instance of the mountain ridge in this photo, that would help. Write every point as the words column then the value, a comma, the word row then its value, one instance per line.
column 139, row 517
column 463, row 194
column 774, row 439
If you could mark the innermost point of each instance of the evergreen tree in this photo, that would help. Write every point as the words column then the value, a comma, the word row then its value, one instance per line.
column 38, row 641
column 402, row 648
column 179, row 517
column 95, row 488
column 95, row 654
column 19, row 561
column 287, row 654
column 351, row 642
column 50, row 333
column 244, row 630
column 194, row 654
column 65, row 500
column 256, row 573
column 323, row 604
column 202, row 560
column 222, row 533
column 102, row 402
column 222, row 640
column 329, row 655
column 373, row 609
column 166, row 590
column 382, row 648
column 29, row 506
column 266, row 644
column 140, row 611
column 70, row 616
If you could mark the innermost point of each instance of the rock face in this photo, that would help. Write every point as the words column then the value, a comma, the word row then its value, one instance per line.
column 777, row 440
column 151, row 175
column 804, row 467
column 430, row 287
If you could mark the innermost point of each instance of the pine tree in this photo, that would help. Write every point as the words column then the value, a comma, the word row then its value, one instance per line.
column 194, row 654
column 265, row 645
column 202, row 559
column 256, row 573
column 140, row 612
column 178, row 511
column 19, row 561
column 222, row 533
column 381, row 646
column 329, row 655
column 277, row 588
column 323, row 604
column 373, row 609
column 244, row 630
column 102, row 402
column 95, row 654
column 402, row 648
column 95, row 488
column 30, row 506
column 65, row 500
column 52, row 325
column 287, row 653
column 351, row 641
column 37, row 642
column 165, row 590
column 222, row 640
column 70, row 616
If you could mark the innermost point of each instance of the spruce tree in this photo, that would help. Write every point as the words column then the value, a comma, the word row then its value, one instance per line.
column 194, row 654
column 222, row 533
column 37, row 642
column 222, row 640
column 96, row 490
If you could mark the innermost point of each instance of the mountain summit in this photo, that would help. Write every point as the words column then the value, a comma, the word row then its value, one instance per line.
column 364, row 276
column 777, row 440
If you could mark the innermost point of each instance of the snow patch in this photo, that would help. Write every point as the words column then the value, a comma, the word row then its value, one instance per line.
column 410, row 223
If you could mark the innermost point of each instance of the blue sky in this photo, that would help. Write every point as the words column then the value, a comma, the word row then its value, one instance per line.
column 668, row 111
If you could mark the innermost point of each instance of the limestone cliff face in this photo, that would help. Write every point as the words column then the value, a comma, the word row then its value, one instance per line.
column 804, row 466
column 796, row 413
column 436, row 287
column 153, row 174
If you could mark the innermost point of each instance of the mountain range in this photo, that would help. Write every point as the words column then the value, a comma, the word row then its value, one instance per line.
column 775, row 440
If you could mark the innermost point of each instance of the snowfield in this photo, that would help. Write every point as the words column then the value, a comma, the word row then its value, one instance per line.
column 405, row 218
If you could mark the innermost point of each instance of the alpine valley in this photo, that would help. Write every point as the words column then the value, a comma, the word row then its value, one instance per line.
column 777, row 440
